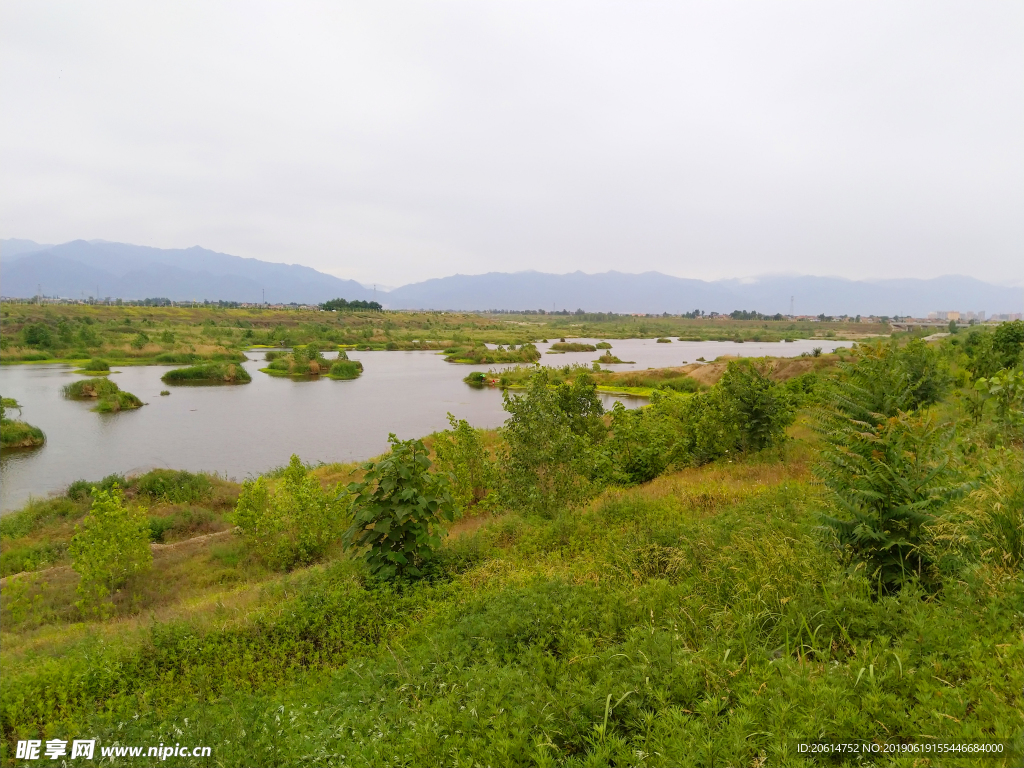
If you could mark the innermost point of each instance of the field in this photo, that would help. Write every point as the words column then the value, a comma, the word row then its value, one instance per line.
column 180, row 336
column 700, row 612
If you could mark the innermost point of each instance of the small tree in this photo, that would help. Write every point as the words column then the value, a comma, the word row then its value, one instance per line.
column 461, row 455
column 760, row 408
column 291, row 524
column 887, row 482
column 110, row 547
column 397, row 511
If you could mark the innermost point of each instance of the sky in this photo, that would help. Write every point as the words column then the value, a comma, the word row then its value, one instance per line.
column 392, row 142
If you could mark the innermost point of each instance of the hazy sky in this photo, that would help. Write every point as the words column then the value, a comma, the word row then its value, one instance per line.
column 392, row 142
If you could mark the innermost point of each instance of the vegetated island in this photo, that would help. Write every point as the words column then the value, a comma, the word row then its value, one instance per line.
column 95, row 367
column 309, row 362
column 479, row 354
column 609, row 359
column 109, row 397
column 561, row 347
column 15, row 433
column 208, row 374
column 666, row 580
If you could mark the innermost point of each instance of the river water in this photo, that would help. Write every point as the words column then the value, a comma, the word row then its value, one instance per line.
column 243, row 430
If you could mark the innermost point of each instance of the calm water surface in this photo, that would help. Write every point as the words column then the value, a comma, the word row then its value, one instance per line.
column 244, row 430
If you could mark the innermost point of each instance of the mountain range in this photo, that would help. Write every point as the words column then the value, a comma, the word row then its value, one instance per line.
column 98, row 268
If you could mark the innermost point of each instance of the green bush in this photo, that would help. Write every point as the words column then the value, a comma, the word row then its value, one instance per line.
column 97, row 365
column 175, row 487
column 291, row 524
column 82, row 489
column 887, row 483
column 462, row 457
column 397, row 511
column 109, row 547
column 346, row 369
column 119, row 401
column 548, row 459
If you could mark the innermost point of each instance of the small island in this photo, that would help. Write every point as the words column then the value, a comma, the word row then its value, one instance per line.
column 344, row 369
column 95, row 366
column 14, row 433
column 561, row 347
column 609, row 359
column 210, row 373
column 479, row 354
column 110, row 398
column 309, row 362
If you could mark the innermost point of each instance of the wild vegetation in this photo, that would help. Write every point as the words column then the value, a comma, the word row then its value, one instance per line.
column 131, row 335
column 480, row 354
column 109, row 397
column 302, row 362
column 706, row 581
column 343, row 368
column 209, row 373
column 15, row 433
column 570, row 346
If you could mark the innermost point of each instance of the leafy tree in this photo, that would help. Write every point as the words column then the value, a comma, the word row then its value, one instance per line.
column 887, row 481
column 397, row 511
column 548, row 461
column 37, row 335
column 110, row 546
column 289, row 525
column 760, row 408
column 641, row 442
column 1008, row 344
column 461, row 455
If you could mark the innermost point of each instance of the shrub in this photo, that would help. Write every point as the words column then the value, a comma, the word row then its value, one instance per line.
column 81, row 489
column 602, row 345
column 37, row 335
column 397, row 510
column 888, row 481
column 759, row 407
column 176, row 487
column 461, row 455
column 640, row 444
column 110, row 546
column 291, row 524
column 97, row 365
column 346, row 369
column 119, row 401
column 572, row 346
column 548, row 460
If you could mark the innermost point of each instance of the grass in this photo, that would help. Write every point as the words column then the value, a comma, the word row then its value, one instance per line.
column 19, row 434
column 560, row 347
column 346, row 369
column 697, row 616
column 109, row 397
column 209, row 373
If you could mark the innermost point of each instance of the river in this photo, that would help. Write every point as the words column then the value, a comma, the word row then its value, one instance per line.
column 243, row 430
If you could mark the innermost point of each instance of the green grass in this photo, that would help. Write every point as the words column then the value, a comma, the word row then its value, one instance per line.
column 89, row 389
column 209, row 373
column 19, row 434
column 346, row 369
column 570, row 346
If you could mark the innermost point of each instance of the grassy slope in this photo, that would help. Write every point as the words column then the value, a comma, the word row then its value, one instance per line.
column 692, row 620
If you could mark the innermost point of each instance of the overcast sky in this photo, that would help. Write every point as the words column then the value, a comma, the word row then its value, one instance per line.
column 392, row 142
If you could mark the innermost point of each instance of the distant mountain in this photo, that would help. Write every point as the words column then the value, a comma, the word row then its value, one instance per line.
column 655, row 293
column 84, row 268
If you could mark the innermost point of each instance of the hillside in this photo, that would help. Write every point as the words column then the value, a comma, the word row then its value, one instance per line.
column 80, row 269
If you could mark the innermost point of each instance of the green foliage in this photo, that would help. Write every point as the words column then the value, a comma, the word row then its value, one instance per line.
column 342, row 304
column 344, row 368
column 757, row 405
column 175, row 487
column 571, row 346
column 209, row 373
column 886, row 379
column 548, row 459
column 109, row 547
column 37, row 335
column 97, row 365
column 19, row 434
column 88, row 389
column 1006, row 390
column 398, row 511
column 140, row 340
column 462, row 457
column 888, row 482
column 481, row 355
column 602, row 345
column 119, row 401
column 288, row 524
column 82, row 489
column 641, row 443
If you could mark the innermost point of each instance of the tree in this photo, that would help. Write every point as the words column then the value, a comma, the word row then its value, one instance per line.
column 548, row 462
column 887, row 482
column 397, row 511
column 291, row 524
column 760, row 408
column 461, row 456
column 110, row 546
